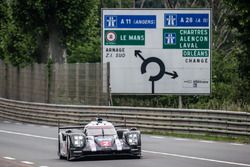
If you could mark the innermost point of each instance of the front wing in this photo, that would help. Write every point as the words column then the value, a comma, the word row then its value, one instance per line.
column 92, row 150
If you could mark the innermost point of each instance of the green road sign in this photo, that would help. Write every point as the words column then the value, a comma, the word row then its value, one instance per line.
column 185, row 38
column 158, row 51
column 124, row 37
column 195, row 53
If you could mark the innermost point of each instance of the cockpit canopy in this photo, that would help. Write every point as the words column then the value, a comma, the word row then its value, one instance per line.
column 99, row 128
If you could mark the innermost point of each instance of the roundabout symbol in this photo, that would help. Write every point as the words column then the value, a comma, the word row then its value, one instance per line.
column 158, row 61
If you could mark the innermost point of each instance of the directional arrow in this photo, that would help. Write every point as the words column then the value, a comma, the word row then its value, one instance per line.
column 138, row 53
column 174, row 74
column 160, row 64
column 157, row 61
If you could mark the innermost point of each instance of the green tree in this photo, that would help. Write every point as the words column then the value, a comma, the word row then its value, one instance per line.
column 15, row 46
column 240, row 20
column 39, row 29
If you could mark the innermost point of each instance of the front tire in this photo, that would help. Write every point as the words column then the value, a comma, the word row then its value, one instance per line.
column 138, row 156
column 68, row 150
column 59, row 148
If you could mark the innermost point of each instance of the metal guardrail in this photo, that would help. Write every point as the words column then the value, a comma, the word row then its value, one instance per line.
column 145, row 119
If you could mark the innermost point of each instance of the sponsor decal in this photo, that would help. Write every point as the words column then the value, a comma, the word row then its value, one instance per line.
column 105, row 143
column 118, row 144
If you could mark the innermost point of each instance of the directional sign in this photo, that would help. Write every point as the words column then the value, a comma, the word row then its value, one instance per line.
column 130, row 21
column 157, row 51
column 120, row 37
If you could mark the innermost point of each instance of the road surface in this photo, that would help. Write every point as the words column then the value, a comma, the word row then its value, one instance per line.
column 28, row 145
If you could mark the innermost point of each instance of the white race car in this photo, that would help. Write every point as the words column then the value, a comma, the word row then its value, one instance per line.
column 97, row 138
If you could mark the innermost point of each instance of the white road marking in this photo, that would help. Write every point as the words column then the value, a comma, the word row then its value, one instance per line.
column 237, row 144
column 7, row 122
column 43, row 166
column 146, row 151
column 28, row 135
column 9, row 158
column 180, row 139
column 205, row 141
column 31, row 125
column 196, row 158
column 27, row 162
column 157, row 137
column 18, row 123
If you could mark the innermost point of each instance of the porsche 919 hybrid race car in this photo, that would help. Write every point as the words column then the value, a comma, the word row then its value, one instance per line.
column 97, row 138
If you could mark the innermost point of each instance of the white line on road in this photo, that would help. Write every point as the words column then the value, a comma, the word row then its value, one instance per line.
column 195, row 158
column 157, row 137
column 205, row 141
column 28, row 135
column 27, row 162
column 237, row 144
column 146, row 151
column 180, row 139
column 9, row 158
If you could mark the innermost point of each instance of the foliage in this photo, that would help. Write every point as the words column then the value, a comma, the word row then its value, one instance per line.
column 25, row 25
column 240, row 20
column 117, row 3
column 16, row 46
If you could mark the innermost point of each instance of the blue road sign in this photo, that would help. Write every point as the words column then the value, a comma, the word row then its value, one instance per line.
column 170, row 38
column 130, row 21
column 186, row 20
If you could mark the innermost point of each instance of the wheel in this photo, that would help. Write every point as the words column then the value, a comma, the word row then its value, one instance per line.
column 138, row 156
column 68, row 149
column 59, row 149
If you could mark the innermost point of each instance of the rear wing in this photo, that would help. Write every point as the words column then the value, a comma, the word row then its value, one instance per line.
column 117, row 126
column 69, row 127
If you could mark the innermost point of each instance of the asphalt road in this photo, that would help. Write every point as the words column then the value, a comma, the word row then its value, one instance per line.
column 36, row 146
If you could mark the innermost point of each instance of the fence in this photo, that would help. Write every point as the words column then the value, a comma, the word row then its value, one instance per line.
column 83, row 83
column 147, row 119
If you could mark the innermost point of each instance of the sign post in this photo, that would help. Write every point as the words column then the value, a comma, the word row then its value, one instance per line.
column 158, row 51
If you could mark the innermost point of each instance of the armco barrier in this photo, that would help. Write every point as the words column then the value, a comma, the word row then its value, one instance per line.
column 146, row 119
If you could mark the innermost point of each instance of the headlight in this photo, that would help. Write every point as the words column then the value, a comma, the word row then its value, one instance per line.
column 78, row 141
column 133, row 139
